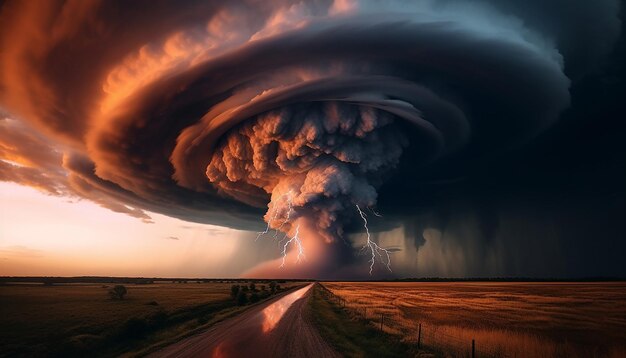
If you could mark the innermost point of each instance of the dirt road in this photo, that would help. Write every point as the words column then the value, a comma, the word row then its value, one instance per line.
column 278, row 328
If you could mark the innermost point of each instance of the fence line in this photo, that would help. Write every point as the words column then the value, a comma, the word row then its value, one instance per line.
column 417, row 333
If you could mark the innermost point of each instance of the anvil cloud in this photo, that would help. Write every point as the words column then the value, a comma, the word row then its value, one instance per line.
column 152, row 106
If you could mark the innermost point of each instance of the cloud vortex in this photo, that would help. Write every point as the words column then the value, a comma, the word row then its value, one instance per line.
column 213, row 112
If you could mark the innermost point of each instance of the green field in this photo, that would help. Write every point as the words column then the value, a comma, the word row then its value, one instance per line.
column 76, row 319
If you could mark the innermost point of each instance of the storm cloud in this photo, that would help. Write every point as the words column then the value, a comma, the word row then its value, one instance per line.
column 173, row 107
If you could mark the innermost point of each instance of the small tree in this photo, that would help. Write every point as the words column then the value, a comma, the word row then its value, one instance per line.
column 234, row 290
column 254, row 297
column 252, row 287
column 262, row 287
column 244, row 288
column 242, row 298
column 118, row 292
column 273, row 286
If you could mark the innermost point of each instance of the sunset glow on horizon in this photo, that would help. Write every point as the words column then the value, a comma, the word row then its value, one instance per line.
column 43, row 235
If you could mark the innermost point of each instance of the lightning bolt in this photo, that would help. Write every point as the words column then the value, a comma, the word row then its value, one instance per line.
column 372, row 246
column 289, row 210
column 269, row 222
column 296, row 240
column 288, row 197
column 274, row 216
column 374, row 212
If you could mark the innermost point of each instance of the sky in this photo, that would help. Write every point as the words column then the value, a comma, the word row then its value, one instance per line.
column 320, row 139
column 53, row 236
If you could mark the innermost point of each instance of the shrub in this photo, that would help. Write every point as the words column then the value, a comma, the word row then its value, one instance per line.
column 234, row 290
column 118, row 292
column 252, row 287
column 254, row 297
column 242, row 298
column 273, row 286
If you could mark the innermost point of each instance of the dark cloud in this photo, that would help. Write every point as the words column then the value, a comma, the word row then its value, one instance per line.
column 127, row 104
column 28, row 158
column 581, row 37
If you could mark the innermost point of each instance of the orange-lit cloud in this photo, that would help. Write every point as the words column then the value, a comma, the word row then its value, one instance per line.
column 133, row 105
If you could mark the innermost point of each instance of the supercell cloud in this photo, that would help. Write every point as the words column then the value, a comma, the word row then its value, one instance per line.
column 291, row 112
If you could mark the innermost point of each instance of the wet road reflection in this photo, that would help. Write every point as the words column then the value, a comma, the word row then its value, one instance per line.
column 274, row 312
column 276, row 328
column 252, row 337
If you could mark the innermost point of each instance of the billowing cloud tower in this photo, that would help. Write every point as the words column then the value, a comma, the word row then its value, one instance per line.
column 296, row 112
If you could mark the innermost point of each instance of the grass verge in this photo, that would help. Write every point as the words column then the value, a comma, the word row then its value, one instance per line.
column 351, row 336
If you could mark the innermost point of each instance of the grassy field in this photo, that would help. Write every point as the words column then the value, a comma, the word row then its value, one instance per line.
column 349, row 336
column 73, row 319
column 504, row 319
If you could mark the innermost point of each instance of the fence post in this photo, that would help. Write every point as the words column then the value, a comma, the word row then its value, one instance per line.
column 473, row 349
column 382, row 318
column 419, row 335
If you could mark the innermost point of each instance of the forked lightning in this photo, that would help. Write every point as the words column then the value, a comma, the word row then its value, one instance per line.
column 372, row 246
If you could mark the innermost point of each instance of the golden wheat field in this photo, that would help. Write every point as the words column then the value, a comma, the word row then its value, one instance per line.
column 505, row 319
